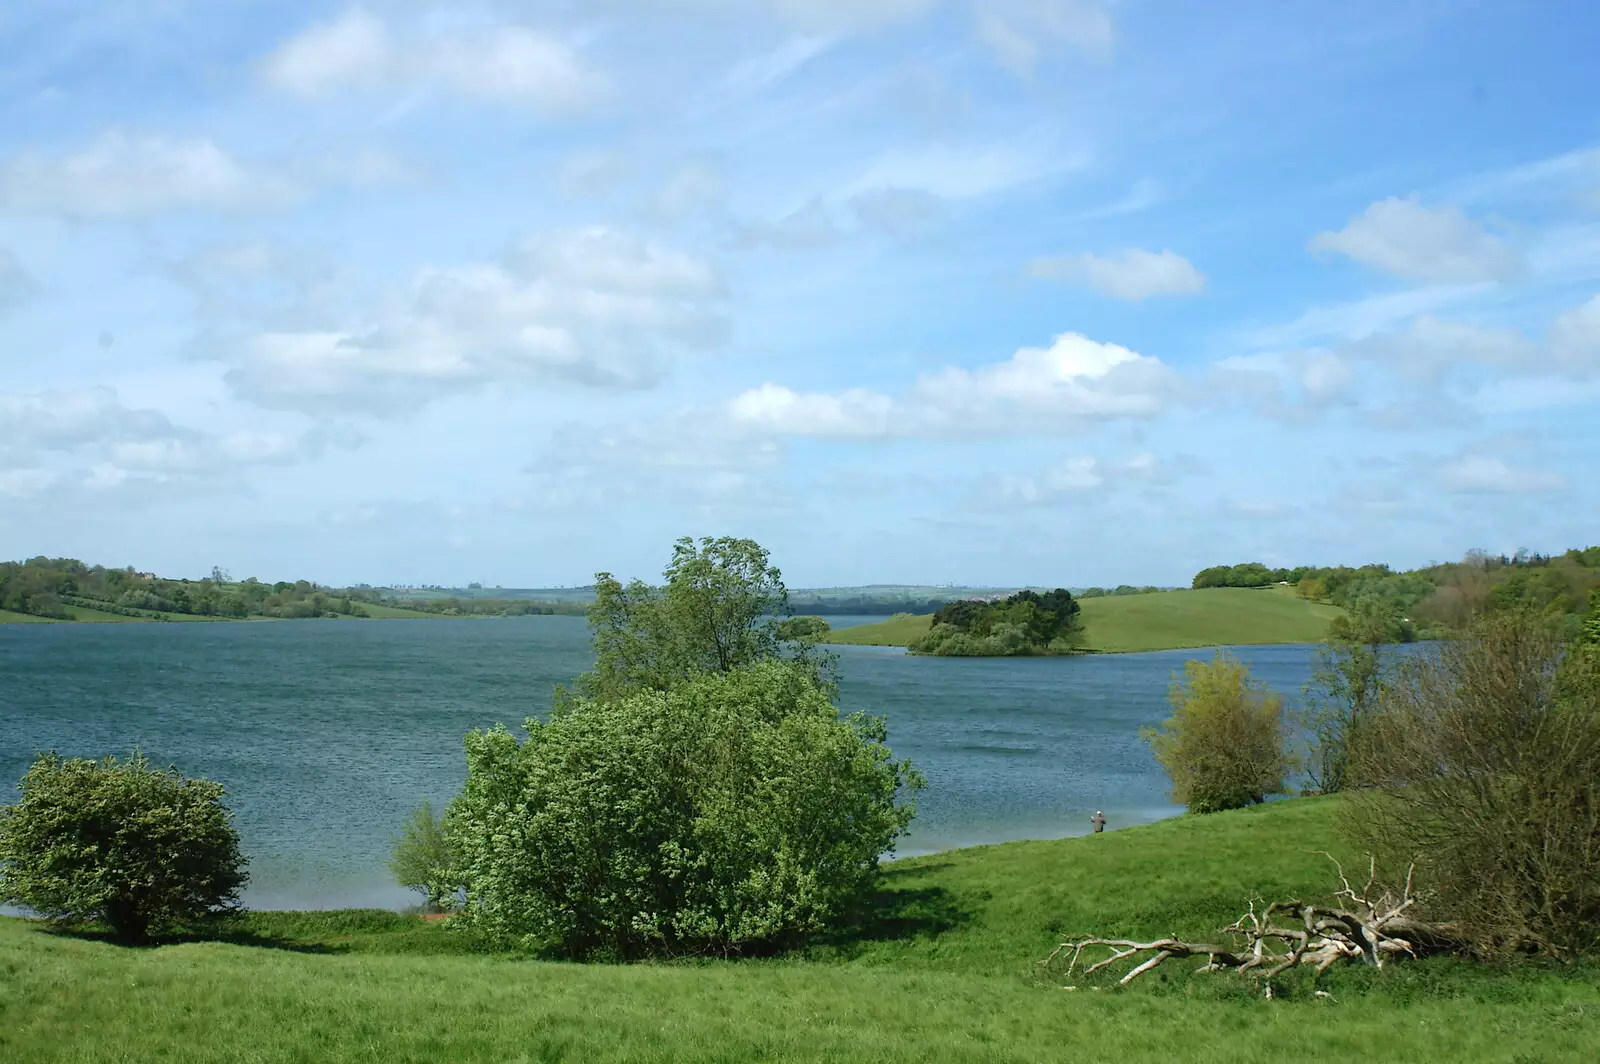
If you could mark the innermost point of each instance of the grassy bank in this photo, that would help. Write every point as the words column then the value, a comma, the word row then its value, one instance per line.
column 1169, row 620
column 941, row 970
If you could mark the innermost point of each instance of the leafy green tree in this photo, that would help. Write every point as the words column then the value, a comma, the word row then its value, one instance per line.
column 120, row 843
column 723, row 606
column 737, row 811
column 421, row 859
column 1225, row 745
column 1346, row 683
column 1591, row 624
column 1026, row 623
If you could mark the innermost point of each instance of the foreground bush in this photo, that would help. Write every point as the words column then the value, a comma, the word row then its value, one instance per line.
column 735, row 812
column 1224, row 747
column 1485, row 754
column 136, row 848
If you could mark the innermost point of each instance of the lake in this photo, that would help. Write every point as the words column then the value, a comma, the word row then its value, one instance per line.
column 327, row 733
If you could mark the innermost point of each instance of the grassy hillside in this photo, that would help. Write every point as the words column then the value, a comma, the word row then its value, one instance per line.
column 8, row 617
column 394, row 612
column 944, row 970
column 1168, row 620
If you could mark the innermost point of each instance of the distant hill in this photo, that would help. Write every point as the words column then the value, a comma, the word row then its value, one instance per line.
column 1168, row 620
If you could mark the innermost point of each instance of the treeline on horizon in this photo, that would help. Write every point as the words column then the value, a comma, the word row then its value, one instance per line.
column 1436, row 597
column 52, row 587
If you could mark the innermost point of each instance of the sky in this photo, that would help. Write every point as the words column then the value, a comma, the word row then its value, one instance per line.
column 1006, row 293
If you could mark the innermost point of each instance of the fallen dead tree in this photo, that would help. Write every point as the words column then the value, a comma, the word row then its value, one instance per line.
column 1271, row 938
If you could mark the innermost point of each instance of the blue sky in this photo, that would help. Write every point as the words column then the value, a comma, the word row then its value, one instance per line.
column 1022, row 291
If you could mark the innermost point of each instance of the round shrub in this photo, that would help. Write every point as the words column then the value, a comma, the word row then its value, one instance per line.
column 735, row 813
column 120, row 843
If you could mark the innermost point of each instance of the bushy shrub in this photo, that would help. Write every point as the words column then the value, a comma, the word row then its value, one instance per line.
column 120, row 843
column 734, row 812
column 421, row 858
column 1225, row 745
column 1484, row 759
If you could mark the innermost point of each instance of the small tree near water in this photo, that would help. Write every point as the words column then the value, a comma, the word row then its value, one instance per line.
column 125, row 844
column 421, row 858
column 1225, row 745
column 701, row 793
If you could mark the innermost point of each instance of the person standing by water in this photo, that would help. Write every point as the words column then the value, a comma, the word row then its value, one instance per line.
column 1099, row 821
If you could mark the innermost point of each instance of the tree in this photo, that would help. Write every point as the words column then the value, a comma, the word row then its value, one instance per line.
column 1312, row 588
column 1026, row 623
column 722, row 607
column 735, row 812
column 1483, row 763
column 1346, row 682
column 421, row 858
column 124, row 844
column 1225, row 744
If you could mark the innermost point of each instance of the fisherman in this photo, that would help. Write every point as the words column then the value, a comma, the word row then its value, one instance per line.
column 1099, row 821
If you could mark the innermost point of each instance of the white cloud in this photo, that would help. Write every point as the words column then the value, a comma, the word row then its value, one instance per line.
column 781, row 411
column 963, row 171
column 1327, row 380
column 509, row 64
column 1429, row 348
column 1080, row 474
column 1038, row 390
column 88, row 438
column 1486, row 474
column 352, row 50
column 120, row 175
column 1404, row 238
column 17, row 286
column 1575, row 339
column 67, row 420
column 1131, row 274
column 1019, row 31
column 594, row 307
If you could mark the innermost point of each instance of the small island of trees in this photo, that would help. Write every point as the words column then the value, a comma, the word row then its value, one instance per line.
column 1025, row 624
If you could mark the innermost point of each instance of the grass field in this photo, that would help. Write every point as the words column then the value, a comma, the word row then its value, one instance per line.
column 394, row 612
column 943, row 970
column 7, row 617
column 1168, row 620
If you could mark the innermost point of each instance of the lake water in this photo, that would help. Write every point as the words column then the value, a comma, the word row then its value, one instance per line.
column 327, row 733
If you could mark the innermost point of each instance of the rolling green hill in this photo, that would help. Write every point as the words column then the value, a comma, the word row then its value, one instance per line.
column 944, row 968
column 1169, row 620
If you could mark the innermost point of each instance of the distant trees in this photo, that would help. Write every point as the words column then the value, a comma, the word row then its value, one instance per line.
column 1439, row 598
column 1026, row 623
column 120, row 843
column 1481, row 763
column 699, row 792
column 1226, row 744
column 1248, row 574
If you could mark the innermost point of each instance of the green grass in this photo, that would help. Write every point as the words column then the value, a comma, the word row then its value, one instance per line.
column 944, row 969
column 86, row 613
column 1168, row 620
column 394, row 612
column 8, row 617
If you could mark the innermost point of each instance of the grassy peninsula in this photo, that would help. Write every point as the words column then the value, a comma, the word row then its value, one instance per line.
column 943, row 968
column 1167, row 620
